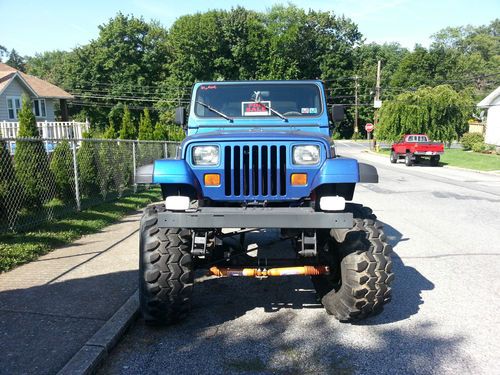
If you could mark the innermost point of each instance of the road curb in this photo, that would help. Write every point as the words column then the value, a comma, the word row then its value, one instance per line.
column 91, row 356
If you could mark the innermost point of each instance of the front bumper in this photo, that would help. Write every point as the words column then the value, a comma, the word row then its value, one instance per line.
column 255, row 217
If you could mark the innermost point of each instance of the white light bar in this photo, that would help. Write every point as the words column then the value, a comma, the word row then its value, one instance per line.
column 177, row 203
column 332, row 203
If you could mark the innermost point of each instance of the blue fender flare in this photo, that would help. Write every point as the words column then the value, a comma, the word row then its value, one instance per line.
column 337, row 171
column 344, row 171
column 173, row 172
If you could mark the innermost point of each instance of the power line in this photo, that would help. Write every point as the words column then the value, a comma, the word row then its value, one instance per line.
column 105, row 105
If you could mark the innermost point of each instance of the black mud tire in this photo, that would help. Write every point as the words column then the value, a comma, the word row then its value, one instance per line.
column 360, row 283
column 435, row 160
column 408, row 159
column 165, row 270
column 394, row 157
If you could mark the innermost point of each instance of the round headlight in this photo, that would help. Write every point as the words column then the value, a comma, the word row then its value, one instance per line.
column 306, row 155
column 206, row 155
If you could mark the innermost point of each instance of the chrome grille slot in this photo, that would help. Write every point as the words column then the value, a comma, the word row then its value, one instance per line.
column 227, row 170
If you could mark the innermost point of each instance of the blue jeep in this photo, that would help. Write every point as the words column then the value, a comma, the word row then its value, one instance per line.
column 259, row 155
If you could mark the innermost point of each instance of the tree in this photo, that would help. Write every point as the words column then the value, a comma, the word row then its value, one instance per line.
column 127, row 130
column 16, row 61
column 31, row 163
column 61, row 166
column 440, row 112
column 366, row 58
column 309, row 45
column 3, row 52
column 458, row 56
column 125, row 60
column 145, row 126
column 56, row 67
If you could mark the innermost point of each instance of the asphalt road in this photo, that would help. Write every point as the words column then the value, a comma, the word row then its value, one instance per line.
column 444, row 225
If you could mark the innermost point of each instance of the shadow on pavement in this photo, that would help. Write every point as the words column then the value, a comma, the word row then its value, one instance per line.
column 42, row 327
column 406, row 289
column 276, row 326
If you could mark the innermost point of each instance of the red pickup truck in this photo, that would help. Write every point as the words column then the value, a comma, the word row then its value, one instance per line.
column 414, row 147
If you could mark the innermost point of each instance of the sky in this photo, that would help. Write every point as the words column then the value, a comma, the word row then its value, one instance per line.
column 36, row 26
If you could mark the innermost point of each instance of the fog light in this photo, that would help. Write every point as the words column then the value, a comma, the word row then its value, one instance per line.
column 212, row 179
column 177, row 203
column 299, row 179
column 332, row 203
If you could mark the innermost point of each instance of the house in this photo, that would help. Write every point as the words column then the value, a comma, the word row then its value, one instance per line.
column 492, row 105
column 44, row 95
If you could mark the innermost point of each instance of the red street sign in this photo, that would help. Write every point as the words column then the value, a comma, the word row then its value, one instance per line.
column 369, row 127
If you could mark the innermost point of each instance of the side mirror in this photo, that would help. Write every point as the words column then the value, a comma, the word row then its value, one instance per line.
column 180, row 116
column 338, row 112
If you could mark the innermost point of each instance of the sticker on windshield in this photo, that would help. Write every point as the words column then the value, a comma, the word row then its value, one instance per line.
column 309, row 110
column 262, row 108
column 208, row 87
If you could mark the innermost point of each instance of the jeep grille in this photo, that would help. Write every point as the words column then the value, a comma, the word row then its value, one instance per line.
column 255, row 170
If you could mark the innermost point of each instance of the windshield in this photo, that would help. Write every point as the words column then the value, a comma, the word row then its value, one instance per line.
column 258, row 100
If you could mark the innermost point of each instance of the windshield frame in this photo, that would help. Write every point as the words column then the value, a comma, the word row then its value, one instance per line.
column 315, row 84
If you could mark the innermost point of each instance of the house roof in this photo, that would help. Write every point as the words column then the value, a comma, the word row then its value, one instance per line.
column 37, row 86
column 490, row 99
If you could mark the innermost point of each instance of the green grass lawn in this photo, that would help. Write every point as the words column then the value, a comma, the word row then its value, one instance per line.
column 471, row 160
column 22, row 247
column 465, row 159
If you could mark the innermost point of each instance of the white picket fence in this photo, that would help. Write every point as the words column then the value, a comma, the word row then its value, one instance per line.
column 48, row 129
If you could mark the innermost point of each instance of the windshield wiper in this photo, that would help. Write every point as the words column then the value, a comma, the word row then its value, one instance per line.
column 215, row 111
column 257, row 100
column 273, row 111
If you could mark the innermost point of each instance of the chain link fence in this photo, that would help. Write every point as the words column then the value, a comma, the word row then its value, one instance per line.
column 41, row 179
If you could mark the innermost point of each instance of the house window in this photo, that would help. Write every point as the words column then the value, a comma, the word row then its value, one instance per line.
column 39, row 107
column 13, row 106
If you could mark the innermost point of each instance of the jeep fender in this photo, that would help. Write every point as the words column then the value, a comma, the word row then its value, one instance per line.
column 167, row 172
column 336, row 171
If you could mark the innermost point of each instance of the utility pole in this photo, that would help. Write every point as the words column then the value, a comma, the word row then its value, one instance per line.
column 356, row 107
column 376, row 102
column 377, row 88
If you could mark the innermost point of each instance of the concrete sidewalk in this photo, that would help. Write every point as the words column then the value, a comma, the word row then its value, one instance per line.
column 49, row 308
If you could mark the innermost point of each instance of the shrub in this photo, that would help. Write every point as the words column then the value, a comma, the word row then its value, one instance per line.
column 175, row 133
column 160, row 133
column 478, row 147
column 125, row 163
column 87, row 160
column 31, row 162
column 469, row 139
column 61, row 167
column 336, row 135
column 110, row 132
column 11, row 194
column 108, row 167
